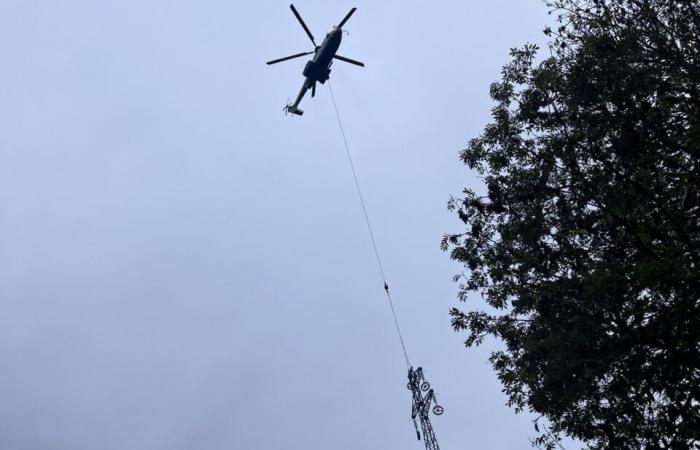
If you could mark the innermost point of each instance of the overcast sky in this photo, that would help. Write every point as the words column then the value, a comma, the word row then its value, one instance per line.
column 184, row 267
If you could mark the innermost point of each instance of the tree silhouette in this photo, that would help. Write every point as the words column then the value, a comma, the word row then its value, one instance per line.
column 585, row 243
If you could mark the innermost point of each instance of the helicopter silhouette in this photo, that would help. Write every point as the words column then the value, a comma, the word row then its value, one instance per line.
column 318, row 69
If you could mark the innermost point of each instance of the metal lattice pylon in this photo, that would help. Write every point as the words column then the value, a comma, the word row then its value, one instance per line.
column 423, row 398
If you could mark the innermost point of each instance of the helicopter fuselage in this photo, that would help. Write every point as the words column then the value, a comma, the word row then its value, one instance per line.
column 318, row 68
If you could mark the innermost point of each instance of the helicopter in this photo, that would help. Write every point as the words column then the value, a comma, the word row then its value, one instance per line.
column 318, row 69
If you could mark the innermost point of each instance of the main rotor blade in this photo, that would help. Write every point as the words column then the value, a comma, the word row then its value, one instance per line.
column 348, row 60
column 301, row 21
column 345, row 19
column 275, row 61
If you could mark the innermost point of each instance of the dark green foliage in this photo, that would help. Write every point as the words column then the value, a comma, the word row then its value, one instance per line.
column 586, row 242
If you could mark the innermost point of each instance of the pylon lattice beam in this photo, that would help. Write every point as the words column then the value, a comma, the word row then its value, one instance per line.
column 423, row 399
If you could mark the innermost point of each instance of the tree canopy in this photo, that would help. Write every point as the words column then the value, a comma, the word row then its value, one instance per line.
column 584, row 243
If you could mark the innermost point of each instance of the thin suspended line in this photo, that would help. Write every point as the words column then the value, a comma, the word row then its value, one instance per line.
column 369, row 226
column 357, row 185
column 398, row 330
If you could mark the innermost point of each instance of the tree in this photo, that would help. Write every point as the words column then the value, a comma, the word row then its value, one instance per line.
column 585, row 242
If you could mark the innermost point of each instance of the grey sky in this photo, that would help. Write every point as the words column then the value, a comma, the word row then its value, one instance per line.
column 184, row 267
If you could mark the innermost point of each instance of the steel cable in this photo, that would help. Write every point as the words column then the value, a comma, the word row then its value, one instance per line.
column 369, row 226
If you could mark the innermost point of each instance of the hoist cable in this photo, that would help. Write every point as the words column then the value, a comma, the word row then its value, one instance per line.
column 369, row 226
